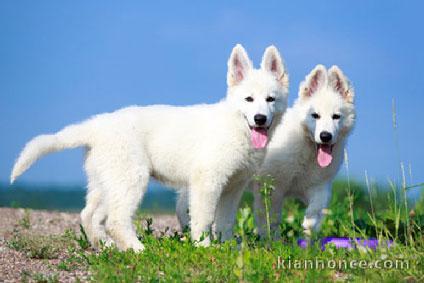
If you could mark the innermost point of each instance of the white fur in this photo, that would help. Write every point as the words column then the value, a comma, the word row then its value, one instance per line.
column 204, row 148
column 291, row 156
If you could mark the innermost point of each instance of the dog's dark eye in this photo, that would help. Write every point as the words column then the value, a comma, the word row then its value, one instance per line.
column 270, row 99
column 336, row 117
column 315, row 115
column 249, row 99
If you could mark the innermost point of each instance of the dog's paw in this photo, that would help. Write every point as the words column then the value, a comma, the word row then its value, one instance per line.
column 108, row 242
column 138, row 247
column 309, row 223
column 134, row 245
column 204, row 243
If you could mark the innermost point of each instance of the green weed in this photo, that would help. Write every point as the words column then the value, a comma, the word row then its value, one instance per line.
column 25, row 221
column 266, row 188
column 38, row 246
column 247, row 259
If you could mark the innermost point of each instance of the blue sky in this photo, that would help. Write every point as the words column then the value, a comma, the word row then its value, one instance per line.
column 63, row 61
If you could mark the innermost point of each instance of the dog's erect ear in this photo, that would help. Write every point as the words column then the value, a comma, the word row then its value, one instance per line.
column 314, row 81
column 273, row 63
column 239, row 65
column 339, row 82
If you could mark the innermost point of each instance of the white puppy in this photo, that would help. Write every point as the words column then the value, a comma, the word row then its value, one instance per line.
column 307, row 148
column 209, row 149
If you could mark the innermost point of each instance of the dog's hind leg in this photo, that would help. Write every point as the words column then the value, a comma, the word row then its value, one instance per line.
column 99, row 220
column 125, row 180
column 92, row 217
column 94, row 213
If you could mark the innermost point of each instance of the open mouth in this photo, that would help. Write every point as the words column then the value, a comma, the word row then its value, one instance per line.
column 324, row 154
column 259, row 136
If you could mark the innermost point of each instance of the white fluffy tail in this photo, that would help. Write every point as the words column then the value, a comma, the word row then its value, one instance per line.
column 70, row 137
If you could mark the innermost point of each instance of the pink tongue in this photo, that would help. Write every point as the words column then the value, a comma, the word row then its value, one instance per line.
column 259, row 137
column 324, row 157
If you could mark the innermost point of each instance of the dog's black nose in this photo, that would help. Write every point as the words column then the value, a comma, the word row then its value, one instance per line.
column 260, row 119
column 325, row 136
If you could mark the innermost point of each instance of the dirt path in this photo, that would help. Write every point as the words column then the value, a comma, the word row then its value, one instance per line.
column 16, row 266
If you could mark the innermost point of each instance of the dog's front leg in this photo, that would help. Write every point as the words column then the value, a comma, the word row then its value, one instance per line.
column 226, row 210
column 259, row 210
column 203, row 201
column 182, row 209
column 318, row 198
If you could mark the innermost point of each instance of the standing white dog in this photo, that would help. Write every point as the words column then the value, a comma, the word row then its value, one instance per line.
column 209, row 149
column 307, row 148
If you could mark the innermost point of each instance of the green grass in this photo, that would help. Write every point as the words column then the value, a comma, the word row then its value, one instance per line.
column 355, row 210
column 40, row 246
column 168, row 259
column 246, row 258
column 39, row 277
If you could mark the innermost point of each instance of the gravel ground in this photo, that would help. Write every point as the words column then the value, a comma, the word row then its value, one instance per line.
column 15, row 265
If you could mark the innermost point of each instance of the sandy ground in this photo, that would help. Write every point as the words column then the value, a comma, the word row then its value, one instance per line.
column 14, row 265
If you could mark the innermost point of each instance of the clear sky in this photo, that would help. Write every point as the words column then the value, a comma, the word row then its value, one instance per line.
column 63, row 61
